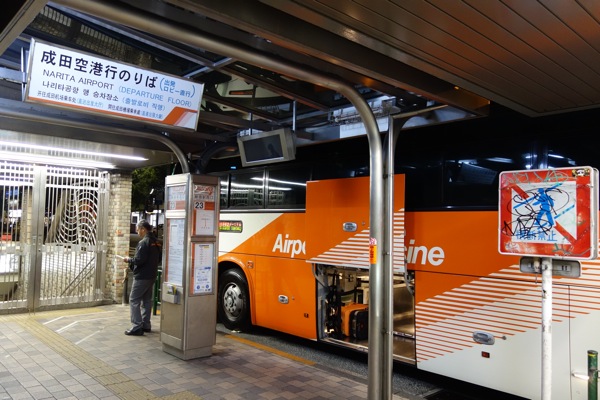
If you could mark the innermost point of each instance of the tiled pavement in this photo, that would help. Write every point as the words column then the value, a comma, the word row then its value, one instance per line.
column 83, row 354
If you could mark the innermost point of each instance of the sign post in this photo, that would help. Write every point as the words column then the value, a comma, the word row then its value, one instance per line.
column 546, row 328
column 551, row 215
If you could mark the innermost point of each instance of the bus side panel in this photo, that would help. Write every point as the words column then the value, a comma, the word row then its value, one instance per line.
column 329, row 205
column 476, row 290
column 338, row 216
column 455, row 242
column 265, row 234
column 444, row 337
column 285, row 296
column 585, row 335
column 510, row 312
column 249, row 238
column 271, row 247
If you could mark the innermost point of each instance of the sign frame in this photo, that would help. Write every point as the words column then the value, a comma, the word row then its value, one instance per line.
column 549, row 213
column 66, row 78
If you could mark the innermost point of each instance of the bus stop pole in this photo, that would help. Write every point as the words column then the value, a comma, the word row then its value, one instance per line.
column 395, row 124
column 387, row 266
column 546, row 328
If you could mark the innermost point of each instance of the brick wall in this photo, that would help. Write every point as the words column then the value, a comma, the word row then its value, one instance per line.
column 119, row 218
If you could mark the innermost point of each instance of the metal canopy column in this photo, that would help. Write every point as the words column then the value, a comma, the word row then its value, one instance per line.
column 395, row 124
column 154, row 25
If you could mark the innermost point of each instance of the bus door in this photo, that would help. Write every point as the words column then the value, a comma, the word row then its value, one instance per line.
column 337, row 244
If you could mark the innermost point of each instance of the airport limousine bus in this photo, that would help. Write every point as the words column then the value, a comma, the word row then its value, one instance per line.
column 285, row 263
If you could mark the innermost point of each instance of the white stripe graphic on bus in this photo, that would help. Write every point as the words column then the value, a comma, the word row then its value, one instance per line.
column 354, row 252
column 498, row 307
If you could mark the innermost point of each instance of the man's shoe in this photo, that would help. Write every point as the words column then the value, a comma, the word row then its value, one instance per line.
column 148, row 330
column 134, row 332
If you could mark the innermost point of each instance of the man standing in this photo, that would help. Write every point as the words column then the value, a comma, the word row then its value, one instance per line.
column 145, row 268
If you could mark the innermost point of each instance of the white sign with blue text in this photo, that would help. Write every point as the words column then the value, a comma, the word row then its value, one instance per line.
column 65, row 78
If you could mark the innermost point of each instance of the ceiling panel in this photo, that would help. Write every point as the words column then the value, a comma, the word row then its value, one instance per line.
column 537, row 58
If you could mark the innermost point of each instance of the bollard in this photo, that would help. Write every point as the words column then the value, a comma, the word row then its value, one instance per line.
column 157, row 292
column 593, row 375
column 126, row 288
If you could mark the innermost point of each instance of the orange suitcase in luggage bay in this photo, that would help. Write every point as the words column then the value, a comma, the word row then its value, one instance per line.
column 355, row 318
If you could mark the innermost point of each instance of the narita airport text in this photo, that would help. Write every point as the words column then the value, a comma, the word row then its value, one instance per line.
column 81, row 81
column 123, row 89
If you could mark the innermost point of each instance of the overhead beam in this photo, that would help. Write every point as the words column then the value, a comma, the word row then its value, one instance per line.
column 306, row 38
column 26, row 113
column 273, row 87
column 16, row 15
column 215, row 119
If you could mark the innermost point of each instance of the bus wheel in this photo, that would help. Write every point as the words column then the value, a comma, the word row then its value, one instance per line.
column 234, row 301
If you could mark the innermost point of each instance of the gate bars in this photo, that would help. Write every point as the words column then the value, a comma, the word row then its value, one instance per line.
column 53, row 235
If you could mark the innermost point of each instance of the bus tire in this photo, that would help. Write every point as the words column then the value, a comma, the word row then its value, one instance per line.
column 234, row 301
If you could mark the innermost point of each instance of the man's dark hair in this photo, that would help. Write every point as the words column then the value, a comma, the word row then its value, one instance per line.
column 144, row 224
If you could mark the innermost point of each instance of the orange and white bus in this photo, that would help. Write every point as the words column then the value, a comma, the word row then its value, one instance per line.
column 293, row 254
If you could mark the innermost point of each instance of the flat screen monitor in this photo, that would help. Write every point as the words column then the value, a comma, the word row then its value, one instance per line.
column 267, row 147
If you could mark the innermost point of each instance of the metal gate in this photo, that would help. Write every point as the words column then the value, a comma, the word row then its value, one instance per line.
column 53, row 236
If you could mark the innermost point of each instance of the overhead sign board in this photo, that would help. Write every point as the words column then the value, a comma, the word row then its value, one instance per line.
column 549, row 213
column 76, row 80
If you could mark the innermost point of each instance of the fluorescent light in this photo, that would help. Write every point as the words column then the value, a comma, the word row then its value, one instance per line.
column 63, row 161
column 82, row 152
column 279, row 181
column 501, row 160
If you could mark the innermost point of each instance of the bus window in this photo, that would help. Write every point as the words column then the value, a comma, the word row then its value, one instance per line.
column 471, row 170
column 224, row 188
column 423, row 171
column 423, row 184
column 349, row 166
column 563, row 153
column 246, row 189
column 286, row 188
